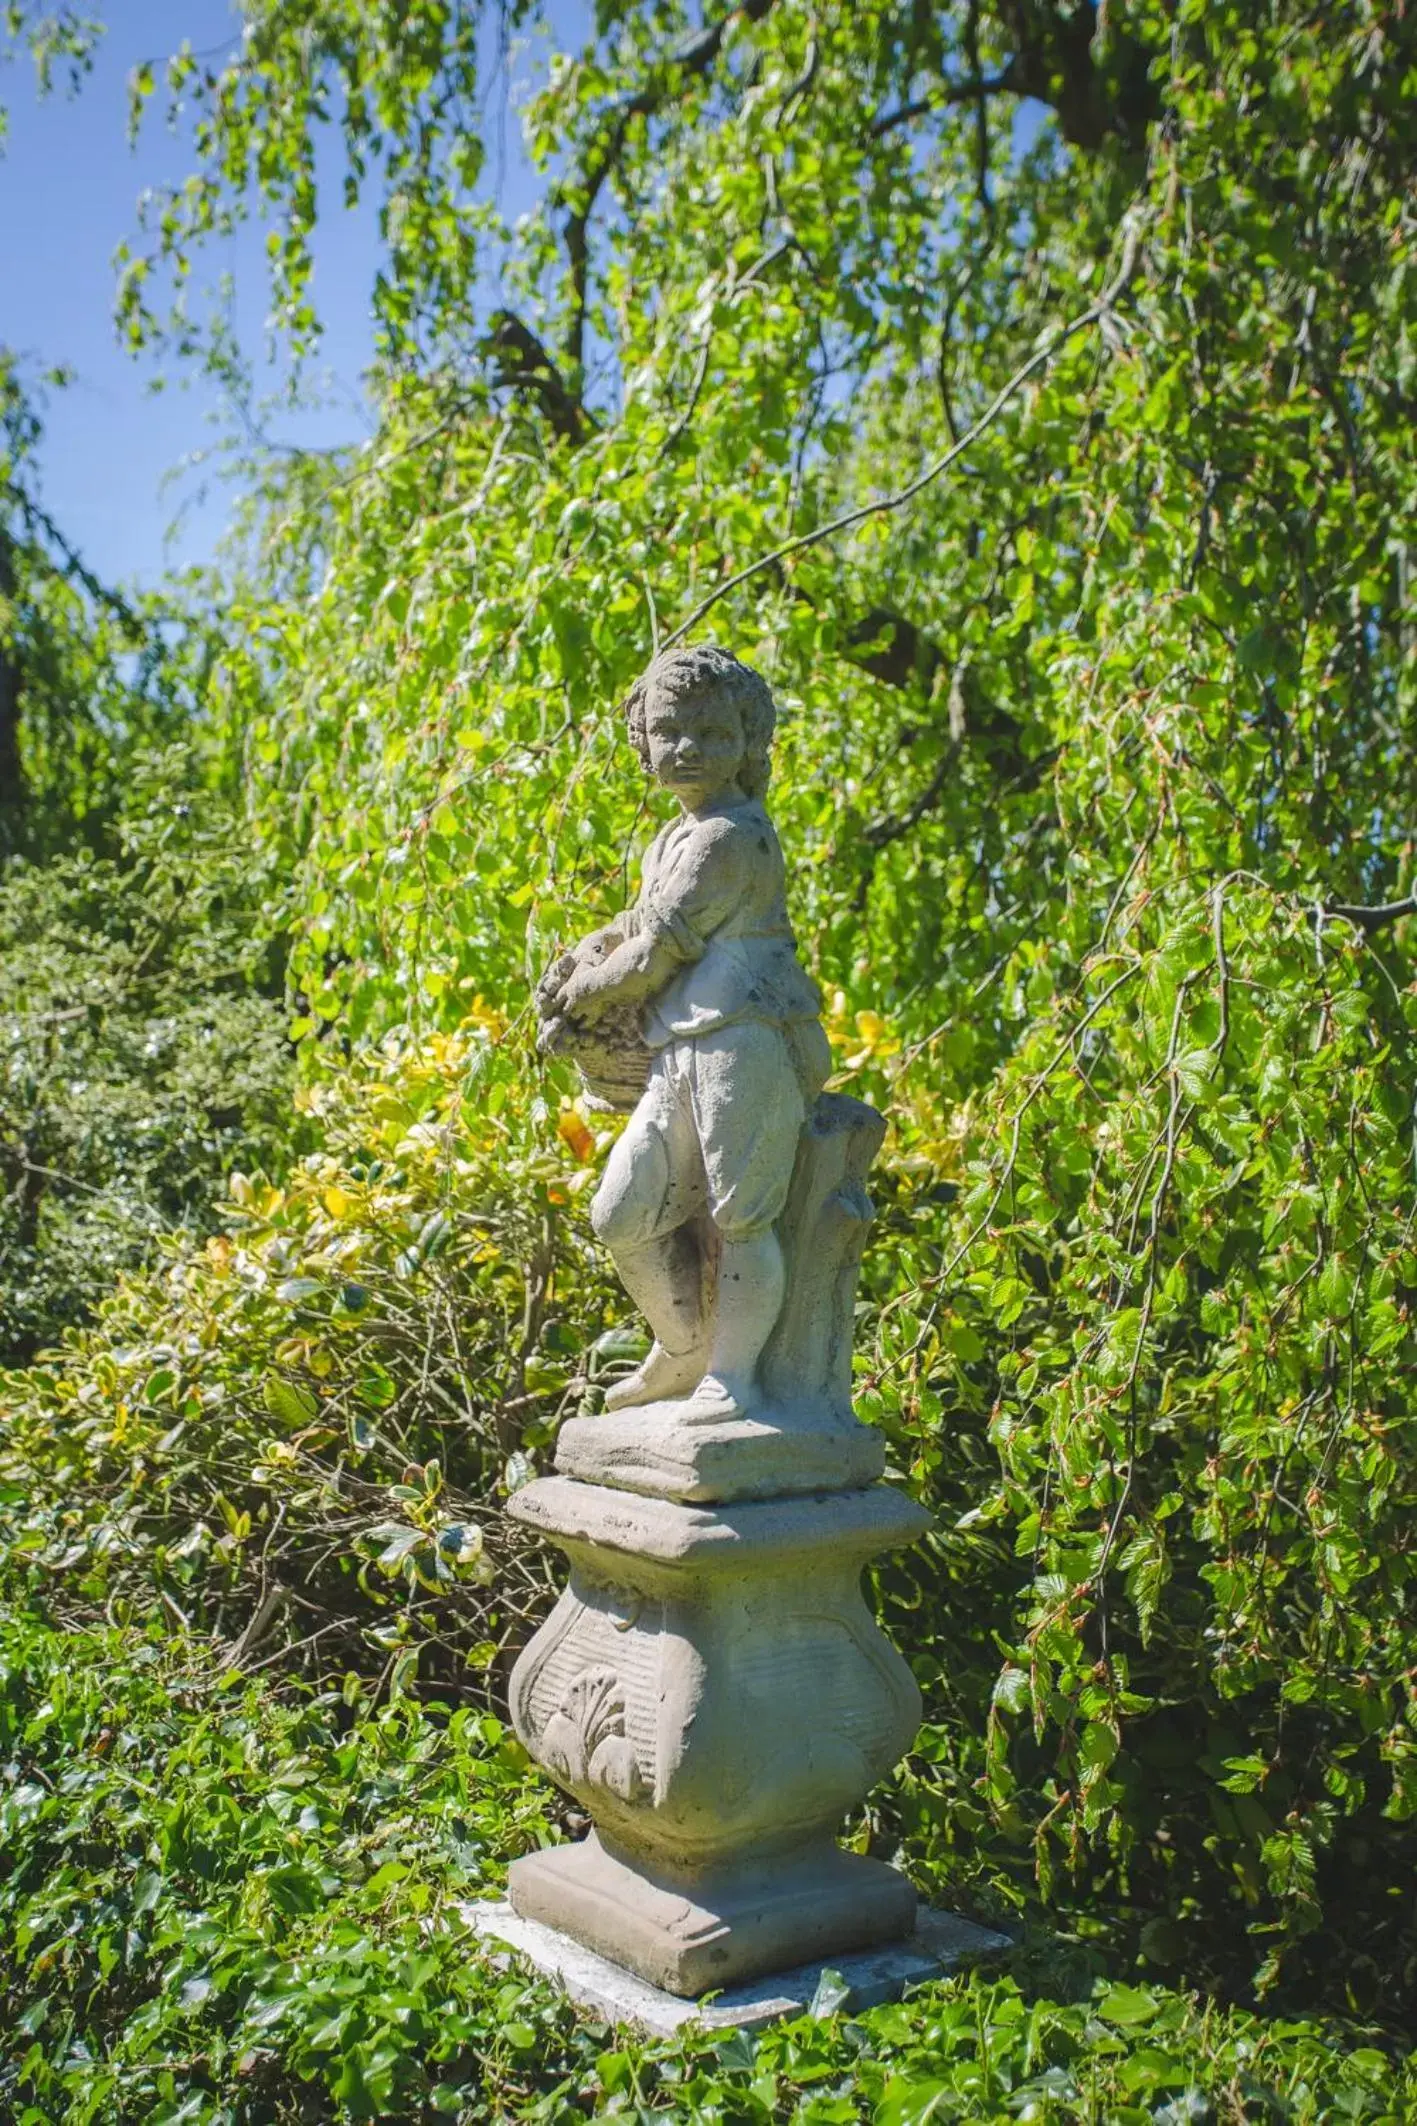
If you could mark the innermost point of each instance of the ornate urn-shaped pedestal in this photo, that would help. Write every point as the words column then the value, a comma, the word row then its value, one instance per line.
column 711, row 1686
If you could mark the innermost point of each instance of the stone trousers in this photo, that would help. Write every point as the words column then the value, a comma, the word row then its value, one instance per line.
column 716, row 1129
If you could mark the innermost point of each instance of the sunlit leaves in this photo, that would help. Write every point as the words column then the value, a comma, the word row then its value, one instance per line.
column 57, row 39
column 1067, row 834
column 400, row 86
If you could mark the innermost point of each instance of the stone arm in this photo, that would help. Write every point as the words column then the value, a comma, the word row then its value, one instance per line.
column 635, row 968
column 669, row 926
column 616, row 966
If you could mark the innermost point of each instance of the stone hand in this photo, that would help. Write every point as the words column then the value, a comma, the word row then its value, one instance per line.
column 583, row 998
column 551, row 988
column 571, row 998
column 555, row 1036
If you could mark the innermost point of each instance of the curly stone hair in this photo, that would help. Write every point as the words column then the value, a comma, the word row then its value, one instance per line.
column 707, row 669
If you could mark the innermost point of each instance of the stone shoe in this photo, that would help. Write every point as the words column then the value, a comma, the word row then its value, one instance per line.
column 664, row 1376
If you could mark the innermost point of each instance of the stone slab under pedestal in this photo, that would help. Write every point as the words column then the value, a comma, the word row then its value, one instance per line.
column 940, row 1942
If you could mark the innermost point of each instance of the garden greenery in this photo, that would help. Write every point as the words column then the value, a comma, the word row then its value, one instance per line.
column 1093, row 764
column 143, row 1051
column 227, row 1908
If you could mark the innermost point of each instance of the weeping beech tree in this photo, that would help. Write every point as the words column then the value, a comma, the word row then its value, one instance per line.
column 1029, row 391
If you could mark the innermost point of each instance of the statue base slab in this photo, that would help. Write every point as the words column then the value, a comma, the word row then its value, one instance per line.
column 676, row 1450
column 939, row 1943
column 702, row 1933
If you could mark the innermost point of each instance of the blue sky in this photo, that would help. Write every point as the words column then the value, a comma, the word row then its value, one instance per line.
column 69, row 183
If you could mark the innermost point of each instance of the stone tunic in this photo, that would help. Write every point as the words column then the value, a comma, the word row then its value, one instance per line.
column 740, row 1053
column 712, row 893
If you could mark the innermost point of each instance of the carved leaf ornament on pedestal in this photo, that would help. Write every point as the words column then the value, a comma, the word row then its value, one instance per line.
column 584, row 1741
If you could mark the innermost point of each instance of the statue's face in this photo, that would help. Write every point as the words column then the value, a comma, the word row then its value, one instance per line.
column 695, row 746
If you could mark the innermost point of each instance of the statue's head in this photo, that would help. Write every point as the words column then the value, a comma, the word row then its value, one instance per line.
column 723, row 699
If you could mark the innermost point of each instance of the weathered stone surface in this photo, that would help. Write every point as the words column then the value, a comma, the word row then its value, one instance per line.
column 713, row 1689
column 939, row 1943
column 806, row 1362
column 711, row 1686
column 799, row 1433
column 715, row 1929
column 674, row 1451
column 755, row 1536
column 693, row 1009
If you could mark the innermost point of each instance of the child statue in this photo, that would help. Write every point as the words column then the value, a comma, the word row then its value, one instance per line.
column 732, row 1037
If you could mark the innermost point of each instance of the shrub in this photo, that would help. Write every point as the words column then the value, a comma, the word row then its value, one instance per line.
column 224, row 1910
column 143, row 1051
column 296, row 1433
column 1175, row 1301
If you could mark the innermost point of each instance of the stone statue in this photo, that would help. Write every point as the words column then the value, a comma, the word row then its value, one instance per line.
column 693, row 1009
column 711, row 1686
column 731, row 1023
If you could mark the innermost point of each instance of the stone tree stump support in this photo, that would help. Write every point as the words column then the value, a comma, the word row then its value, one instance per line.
column 711, row 1686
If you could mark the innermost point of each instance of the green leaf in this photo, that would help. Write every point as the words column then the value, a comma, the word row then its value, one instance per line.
column 1126, row 2005
column 288, row 1400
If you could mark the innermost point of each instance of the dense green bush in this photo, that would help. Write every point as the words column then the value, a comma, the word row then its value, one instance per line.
column 143, row 1045
column 299, row 1431
column 224, row 1910
column 143, row 1048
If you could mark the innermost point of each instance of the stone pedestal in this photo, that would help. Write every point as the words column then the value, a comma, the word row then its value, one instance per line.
column 714, row 1691
column 711, row 1686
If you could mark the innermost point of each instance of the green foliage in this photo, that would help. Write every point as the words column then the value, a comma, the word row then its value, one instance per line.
column 400, row 84
column 1094, row 768
column 297, row 1432
column 211, row 1900
column 53, row 37
column 221, row 1908
column 143, row 1051
column 92, row 683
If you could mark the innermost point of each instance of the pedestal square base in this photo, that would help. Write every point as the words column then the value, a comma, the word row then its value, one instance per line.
column 938, row 1944
column 719, row 1929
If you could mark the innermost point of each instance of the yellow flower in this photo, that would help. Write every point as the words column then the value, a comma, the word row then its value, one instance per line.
column 575, row 1132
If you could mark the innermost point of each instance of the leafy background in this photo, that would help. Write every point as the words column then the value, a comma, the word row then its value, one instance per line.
column 1093, row 768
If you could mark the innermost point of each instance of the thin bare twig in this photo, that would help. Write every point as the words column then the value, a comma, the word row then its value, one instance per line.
column 1095, row 312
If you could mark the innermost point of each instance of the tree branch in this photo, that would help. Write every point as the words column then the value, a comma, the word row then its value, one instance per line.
column 521, row 362
column 12, row 773
column 75, row 568
column 981, row 118
column 693, row 58
column 891, row 826
column 1097, row 84
column 890, row 647
column 1039, row 359
column 948, row 93
column 1373, row 918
